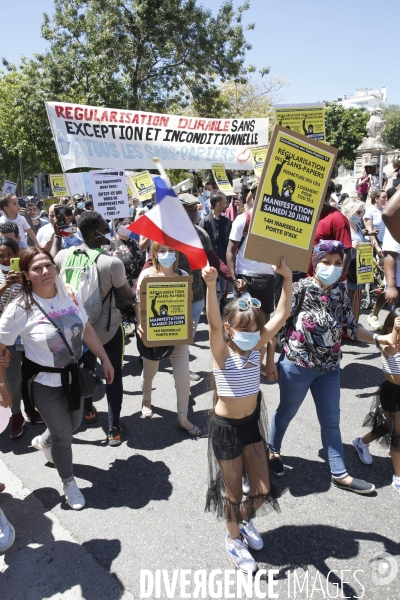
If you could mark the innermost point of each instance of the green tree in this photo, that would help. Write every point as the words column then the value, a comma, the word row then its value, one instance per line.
column 392, row 131
column 345, row 129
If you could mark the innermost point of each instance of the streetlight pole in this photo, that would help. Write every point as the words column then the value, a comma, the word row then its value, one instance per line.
column 21, row 172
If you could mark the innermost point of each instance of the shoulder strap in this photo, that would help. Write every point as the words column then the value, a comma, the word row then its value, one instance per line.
column 246, row 228
column 70, row 352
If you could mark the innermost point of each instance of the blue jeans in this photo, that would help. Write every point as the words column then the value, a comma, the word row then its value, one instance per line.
column 197, row 307
column 294, row 383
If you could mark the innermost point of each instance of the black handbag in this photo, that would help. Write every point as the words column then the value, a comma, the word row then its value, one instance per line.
column 88, row 381
column 153, row 352
column 256, row 282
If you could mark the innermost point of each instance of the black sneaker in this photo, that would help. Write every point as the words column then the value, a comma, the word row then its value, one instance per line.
column 114, row 436
column 90, row 416
column 358, row 486
column 276, row 466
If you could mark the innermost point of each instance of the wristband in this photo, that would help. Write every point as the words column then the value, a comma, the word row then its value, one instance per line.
column 376, row 335
column 58, row 236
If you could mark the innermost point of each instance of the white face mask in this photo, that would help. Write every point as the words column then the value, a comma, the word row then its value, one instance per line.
column 206, row 193
column 5, row 268
column 124, row 231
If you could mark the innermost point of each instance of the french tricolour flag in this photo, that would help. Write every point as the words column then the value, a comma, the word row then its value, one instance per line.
column 168, row 223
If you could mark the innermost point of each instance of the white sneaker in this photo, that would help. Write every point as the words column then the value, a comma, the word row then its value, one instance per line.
column 396, row 483
column 240, row 555
column 7, row 533
column 374, row 323
column 362, row 451
column 73, row 495
column 251, row 536
column 245, row 483
column 38, row 444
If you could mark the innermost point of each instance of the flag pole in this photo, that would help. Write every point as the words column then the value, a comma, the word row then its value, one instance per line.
column 161, row 169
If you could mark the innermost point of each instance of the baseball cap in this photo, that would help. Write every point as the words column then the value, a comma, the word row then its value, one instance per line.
column 188, row 199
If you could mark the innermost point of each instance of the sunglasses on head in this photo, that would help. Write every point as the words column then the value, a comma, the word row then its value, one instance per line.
column 245, row 303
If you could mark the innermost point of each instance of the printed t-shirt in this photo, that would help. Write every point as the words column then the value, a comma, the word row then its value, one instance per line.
column 42, row 344
column 23, row 227
column 245, row 266
column 111, row 273
column 375, row 214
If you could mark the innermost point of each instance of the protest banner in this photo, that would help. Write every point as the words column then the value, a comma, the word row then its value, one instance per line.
column 88, row 136
column 258, row 156
column 289, row 199
column 308, row 119
column 9, row 187
column 166, row 310
column 142, row 186
column 76, row 183
column 48, row 202
column 109, row 193
column 365, row 263
column 58, row 186
column 221, row 178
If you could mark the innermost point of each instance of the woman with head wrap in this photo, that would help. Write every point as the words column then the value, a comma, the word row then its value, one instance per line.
column 310, row 359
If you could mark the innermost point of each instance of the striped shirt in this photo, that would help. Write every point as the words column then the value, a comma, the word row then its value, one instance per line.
column 391, row 364
column 237, row 380
column 14, row 290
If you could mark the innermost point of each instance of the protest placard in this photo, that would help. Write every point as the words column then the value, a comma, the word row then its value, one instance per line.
column 221, row 178
column 9, row 187
column 258, row 156
column 308, row 119
column 109, row 193
column 365, row 263
column 76, row 184
column 48, row 202
column 58, row 186
column 166, row 310
column 142, row 186
column 89, row 136
column 289, row 199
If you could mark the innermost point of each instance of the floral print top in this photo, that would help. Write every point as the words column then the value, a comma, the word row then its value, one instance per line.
column 312, row 335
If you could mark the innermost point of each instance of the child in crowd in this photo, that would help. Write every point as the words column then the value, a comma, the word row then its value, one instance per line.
column 238, row 422
column 384, row 416
column 9, row 204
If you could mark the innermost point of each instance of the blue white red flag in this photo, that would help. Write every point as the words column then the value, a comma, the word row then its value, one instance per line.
column 169, row 224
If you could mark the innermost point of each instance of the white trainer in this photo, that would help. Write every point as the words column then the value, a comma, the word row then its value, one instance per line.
column 240, row 555
column 73, row 495
column 245, row 483
column 396, row 483
column 363, row 451
column 38, row 444
column 250, row 535
column 7, row 533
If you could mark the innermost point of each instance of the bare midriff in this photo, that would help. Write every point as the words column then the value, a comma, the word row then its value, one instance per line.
column 236, row 408
column 392, row 378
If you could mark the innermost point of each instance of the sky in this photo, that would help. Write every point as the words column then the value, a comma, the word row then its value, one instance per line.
column 322, row 49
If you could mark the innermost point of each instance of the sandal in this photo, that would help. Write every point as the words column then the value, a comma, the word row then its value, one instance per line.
column 147, row 413
column 2, row 487
column 194, row 431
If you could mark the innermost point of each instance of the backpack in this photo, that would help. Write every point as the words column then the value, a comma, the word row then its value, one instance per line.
column 80, row 272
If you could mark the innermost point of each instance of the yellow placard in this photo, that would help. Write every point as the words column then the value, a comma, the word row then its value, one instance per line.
column 49, row 201
column 166, row 304
column 365, row 263
column 258, row 156
column 58, row 185
column 142, row 185
column 220, row 178
column 307, row 119
column 291, row 191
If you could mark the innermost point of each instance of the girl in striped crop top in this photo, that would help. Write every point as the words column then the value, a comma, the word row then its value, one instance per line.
column 384, row 416
column 237, row 430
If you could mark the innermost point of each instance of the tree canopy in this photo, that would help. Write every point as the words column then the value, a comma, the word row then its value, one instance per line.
column 345, row 129
column 392, row 131
column 153, row 55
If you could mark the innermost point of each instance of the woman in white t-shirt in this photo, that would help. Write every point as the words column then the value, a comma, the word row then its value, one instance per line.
column 165, row 263
column 50, row 381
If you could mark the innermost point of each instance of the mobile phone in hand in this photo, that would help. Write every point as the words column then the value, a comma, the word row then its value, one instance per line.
column 59, row 209
column 14, row 264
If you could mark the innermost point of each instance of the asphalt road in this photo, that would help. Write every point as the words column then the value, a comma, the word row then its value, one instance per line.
column 145, row 505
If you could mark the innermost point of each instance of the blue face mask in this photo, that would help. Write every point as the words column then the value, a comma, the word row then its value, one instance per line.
column 108, row 236
column 131, row 211
column 328, row 275
column 246, row 340
column 206, row 193
column 355, row 219
column 166, row 259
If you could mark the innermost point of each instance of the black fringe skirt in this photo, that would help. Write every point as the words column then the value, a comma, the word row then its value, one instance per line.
column 386, row 400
